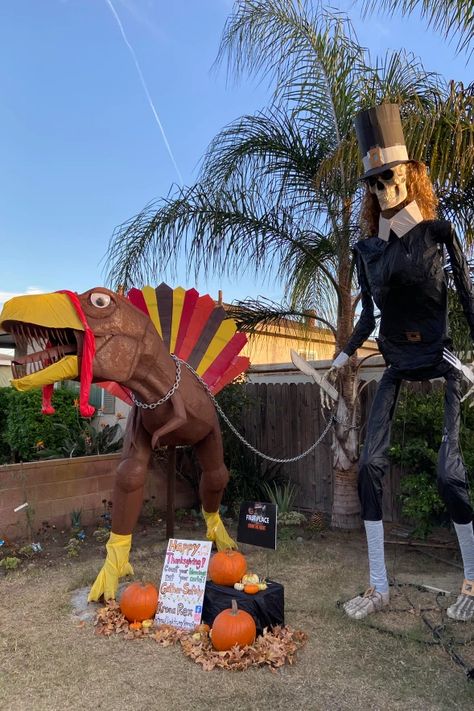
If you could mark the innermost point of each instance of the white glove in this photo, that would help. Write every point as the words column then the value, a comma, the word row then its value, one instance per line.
column 340, row 361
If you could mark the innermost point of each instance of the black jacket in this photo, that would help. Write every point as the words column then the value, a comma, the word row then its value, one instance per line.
column 405, row 278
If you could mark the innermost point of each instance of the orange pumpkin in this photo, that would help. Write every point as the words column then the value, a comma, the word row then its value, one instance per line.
column 233, row 627
column 135, row 625
column 251, row 588
column 227, row 567
column 139, row 602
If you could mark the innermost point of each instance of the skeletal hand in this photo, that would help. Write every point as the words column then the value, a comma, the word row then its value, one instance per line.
column 470, row 393
column 331, row 376
column 326, row 401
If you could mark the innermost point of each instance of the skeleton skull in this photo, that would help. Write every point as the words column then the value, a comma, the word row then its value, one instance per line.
column 389, row 186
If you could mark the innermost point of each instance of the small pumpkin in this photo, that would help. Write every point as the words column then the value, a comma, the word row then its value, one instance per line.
column 147, row 623
column 201, row 632
column 139, row 601
column 135, row 625
column 239, row 586
column 251, row 578
column 262, row 585
column 202, row 629
column 227, row 567
column 233, row 627
column 251, row 588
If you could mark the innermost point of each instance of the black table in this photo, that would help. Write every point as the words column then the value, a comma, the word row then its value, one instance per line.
column 267, row 607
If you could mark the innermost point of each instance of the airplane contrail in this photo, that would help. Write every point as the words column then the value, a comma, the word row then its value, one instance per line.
column 145, row 88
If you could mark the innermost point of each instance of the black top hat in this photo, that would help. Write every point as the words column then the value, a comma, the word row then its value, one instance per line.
column 380, row 136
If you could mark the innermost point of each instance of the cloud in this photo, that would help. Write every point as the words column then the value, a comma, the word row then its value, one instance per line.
column 6, row 295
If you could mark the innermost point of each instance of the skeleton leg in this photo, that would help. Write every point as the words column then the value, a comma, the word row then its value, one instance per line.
column 373, row 466
column 452, row 484
column 463, row 608
column 368, row 603
column 452, row 481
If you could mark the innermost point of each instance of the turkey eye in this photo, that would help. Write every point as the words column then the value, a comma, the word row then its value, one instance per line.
column 100, row 300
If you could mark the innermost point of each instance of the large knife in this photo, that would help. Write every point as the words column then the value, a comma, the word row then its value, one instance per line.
column 306, row 368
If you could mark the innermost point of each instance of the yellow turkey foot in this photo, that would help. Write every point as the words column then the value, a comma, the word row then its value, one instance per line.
column 216, row 531
column 116, row 566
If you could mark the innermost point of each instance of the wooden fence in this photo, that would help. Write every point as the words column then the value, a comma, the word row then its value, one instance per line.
column 283, row 420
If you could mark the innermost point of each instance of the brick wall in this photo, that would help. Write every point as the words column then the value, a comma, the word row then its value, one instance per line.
column 54, row 488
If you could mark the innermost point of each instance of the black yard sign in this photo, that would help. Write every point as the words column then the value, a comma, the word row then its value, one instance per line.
column 258, row 524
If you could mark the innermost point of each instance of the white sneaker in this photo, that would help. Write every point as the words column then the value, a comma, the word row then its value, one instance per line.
column 368, row 603
column 463, row 608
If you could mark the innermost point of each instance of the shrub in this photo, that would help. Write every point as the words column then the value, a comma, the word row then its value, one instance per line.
column 26, row 434
column 247, row 474
column 83, row 439
column 417, row 431
column 5, row 449
column 283, row 495
column 28, row 431
column 10, row 563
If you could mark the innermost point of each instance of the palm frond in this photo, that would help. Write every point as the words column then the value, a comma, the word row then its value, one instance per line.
column 301, row 49
column 399, row 77
column 227, row 232
column 449, row 131
column 269, row 149
column 451, row 17
column 253, row 314
column 278, row 192
column 457, row 206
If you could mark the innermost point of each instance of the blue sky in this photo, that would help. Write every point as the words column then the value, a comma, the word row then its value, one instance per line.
column 80, row 149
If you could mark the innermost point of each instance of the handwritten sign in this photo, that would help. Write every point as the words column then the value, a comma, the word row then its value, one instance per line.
column 183, row 581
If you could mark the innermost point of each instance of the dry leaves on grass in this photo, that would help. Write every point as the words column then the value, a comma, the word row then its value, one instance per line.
column 274, row 648
column 109, row 620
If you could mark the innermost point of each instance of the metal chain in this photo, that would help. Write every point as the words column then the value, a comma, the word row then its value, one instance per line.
column 175, row 386
column 170, row 393
column 242, row 439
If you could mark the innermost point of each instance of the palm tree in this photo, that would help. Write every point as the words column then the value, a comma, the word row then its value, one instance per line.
column 278, row 191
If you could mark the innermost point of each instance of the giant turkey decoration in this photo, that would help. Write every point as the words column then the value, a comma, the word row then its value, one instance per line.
column 138, row 347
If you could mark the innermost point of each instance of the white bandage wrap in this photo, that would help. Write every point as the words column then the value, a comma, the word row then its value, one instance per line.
column 377, row 156
column 465, row 534
column 377, row 569
column 340, row 360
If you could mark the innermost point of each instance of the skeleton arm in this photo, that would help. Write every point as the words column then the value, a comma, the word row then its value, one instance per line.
column 465, row 291
column 366, row 323
column 461, row 276
column 362, row 330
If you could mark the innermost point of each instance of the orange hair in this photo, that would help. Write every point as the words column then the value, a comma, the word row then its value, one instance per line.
column 419, row 188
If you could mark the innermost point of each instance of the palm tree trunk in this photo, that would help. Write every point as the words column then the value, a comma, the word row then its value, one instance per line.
column 346, row 505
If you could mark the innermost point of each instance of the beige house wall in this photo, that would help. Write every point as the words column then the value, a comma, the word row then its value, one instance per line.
column 273, row 344
column 5, row 370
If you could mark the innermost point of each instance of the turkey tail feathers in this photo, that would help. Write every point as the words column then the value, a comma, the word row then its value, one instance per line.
column 195, row 329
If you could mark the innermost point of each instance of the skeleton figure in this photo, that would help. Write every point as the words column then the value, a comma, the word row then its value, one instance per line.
column 400, row 270
column 389, row 187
